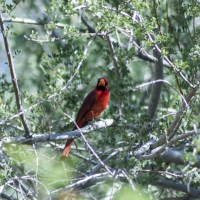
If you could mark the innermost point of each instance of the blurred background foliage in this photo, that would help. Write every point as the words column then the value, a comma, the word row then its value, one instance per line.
column 46, row 55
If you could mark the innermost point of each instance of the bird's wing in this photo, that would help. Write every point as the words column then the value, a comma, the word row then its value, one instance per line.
column 85, row 109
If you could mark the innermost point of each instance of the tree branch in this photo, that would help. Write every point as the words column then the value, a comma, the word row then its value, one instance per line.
column 156, row 90
column 84, row 183
column 113, row 56
column 80, row 184
column 178, row 187
column 173, row 156
column 97, row 167
column 91, row 29
column 8, row 197
column 59, row 136
column 157, row 152
column 170, row 63
column 31, row 21
column 90, row 148
column 14, row 79
column 175, row 123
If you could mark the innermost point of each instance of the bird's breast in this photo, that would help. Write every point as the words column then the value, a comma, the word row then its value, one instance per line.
column 101, row 102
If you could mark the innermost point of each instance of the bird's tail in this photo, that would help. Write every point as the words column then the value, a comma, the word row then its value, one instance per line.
column 66, row 150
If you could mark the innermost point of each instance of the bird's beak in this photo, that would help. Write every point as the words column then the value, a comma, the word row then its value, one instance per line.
column 102, row 83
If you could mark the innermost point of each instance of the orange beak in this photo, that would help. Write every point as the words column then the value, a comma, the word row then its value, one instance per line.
column 102, row 83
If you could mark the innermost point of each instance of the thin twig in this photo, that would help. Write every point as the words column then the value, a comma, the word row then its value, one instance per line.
column 170, row 63
column 30, row 21
column 157, row 152
column 160, row 172
column 113, row 56
column 14, row 79
column 80, row 183
column 130, row 180
column 88, row 145
column 176, row 122
column 36, row 168
column 97, row 167
column 164, row 81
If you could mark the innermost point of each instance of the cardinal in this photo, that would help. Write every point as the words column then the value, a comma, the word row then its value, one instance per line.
column 93, row 105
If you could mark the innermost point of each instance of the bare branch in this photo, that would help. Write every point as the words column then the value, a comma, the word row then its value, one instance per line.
column 97, row 167
column 156, row 90
column 82, row 183
column 177, row 186
column 157, row 152
column 144, row 148
column 173, row 156
column 163, row 81
column 160, row 172
column 59, row 136
column 113, row 56
column 86, row 182
column 31, row 21
column 14, row 79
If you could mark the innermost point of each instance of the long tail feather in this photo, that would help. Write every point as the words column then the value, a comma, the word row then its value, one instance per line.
column 66, row 150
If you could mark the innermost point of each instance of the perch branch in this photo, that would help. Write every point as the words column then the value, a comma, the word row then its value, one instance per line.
column 59, row 136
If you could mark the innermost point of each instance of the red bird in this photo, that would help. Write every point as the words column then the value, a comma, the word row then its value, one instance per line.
column 93, row 105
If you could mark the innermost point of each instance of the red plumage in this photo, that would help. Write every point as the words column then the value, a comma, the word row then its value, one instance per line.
column 93, row 105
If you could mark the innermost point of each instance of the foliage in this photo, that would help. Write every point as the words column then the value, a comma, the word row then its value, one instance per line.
column 58, row 43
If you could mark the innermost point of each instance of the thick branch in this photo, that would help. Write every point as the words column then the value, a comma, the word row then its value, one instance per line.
column 14, row 79
column 156, row 90
column 177, row 157
column 8, row 197
column 59, row 136
column 173, row 156
column 91, row 29
column 178, row 187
